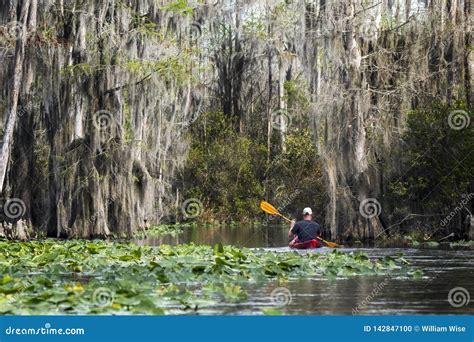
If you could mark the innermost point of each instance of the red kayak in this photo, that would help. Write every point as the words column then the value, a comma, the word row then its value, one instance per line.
column 297, row 244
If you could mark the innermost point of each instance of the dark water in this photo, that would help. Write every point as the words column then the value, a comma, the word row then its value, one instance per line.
column 242, row 236
column 444, row 270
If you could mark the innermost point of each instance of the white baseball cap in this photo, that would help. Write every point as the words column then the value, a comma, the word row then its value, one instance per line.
column 307, row 211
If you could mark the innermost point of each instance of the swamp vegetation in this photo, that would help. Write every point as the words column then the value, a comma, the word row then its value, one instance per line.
column 138, row 138
column 115, row 114
column 83, row 277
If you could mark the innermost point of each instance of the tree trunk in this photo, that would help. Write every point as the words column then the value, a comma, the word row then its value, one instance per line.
column 17, row 80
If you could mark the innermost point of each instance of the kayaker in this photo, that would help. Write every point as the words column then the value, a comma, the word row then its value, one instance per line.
column 305, row 230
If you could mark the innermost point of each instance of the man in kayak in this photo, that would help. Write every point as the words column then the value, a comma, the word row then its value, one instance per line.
column 304, row 231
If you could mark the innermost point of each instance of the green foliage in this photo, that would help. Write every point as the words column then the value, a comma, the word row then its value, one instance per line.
column 160, row 230
column 420, row 239
column 145, row 26
column 295, row 95
column 295, row 176
column 181, row 7
column 223, row 169
column 272, row 312
column 462, row 243
column 81, row 68
column 437, row 158
column 255, row 28
column 170, row 68
column 97, row 277
column 232, row 174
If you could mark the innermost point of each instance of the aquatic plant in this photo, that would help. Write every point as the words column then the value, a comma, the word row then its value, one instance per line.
column 160, row 230
column 97, row 277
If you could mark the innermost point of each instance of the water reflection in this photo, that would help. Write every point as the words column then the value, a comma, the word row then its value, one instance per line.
column 443, row 269
column 241, row 236
column 376, row 295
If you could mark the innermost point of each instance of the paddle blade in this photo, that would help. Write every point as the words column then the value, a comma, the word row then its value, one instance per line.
column 331, row 244
column 268, row 208
column 328, row 243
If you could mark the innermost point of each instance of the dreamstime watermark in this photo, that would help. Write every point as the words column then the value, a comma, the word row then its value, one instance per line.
column 103, row 120
column 46, row 330
column 280, row 120
column 194, row 32
column 281, row 297
column 285, row 203
column 14, row 208
column 103, row 296
column 459, row 119
column 376, row 290
column 23, row 110
column 192, row 208
column 370, row 208
column 197, row 113
column 458, row 297
column 467, row 198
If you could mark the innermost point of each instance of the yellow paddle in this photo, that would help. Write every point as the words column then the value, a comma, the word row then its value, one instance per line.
column 270, row 209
